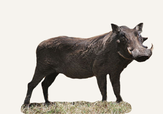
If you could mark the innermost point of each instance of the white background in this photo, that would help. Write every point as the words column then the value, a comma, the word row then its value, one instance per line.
column 24, row 24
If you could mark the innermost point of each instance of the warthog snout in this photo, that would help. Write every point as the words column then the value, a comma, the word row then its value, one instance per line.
column 142, row 54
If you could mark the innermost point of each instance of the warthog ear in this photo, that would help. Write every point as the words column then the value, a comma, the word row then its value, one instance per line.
column 115, row 28
column 139, row 27
column 144, row 38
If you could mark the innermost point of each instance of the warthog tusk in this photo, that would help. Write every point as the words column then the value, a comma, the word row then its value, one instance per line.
column 151, row 48
column 128, row 49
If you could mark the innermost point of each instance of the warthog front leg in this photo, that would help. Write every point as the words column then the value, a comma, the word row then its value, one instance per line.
column 115, row 80
column 102, row 84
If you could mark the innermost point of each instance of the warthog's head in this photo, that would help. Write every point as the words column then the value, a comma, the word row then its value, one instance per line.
column 130, row 43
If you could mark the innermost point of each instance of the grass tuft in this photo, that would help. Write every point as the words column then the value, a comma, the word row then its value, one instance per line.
column 79, row 107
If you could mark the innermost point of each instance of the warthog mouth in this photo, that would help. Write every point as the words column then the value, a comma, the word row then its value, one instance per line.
column 124, row 56
column 130, row 53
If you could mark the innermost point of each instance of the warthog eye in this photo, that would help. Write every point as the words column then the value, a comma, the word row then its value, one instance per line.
column 123, row 37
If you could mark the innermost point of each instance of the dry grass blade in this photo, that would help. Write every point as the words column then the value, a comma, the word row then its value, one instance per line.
column 79, row 107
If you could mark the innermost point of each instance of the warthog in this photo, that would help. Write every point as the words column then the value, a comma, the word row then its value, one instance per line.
column 97, row 56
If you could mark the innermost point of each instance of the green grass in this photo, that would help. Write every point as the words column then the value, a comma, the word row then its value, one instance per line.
column 79, row 107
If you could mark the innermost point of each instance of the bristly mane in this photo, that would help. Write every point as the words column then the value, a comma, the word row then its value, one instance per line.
column 94, row 44
column 97, row 43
